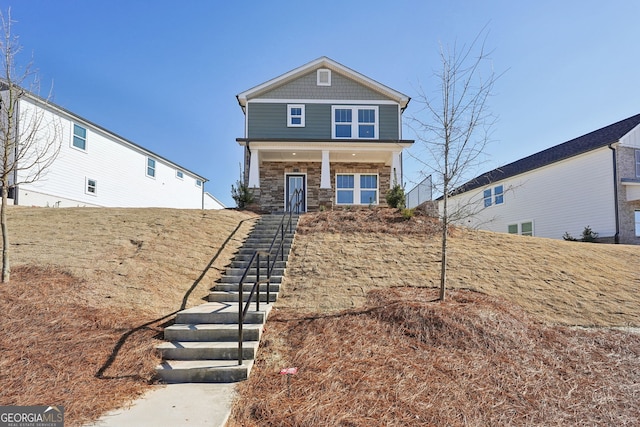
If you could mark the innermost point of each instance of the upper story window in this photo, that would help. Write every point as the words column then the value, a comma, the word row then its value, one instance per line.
column 79, row 137
column 323, row 77
column 295, row 115
column 198, row 183
column 151, row 167
column 354, row 122
column 179, row 174
column 493, row 196
column 637, row 163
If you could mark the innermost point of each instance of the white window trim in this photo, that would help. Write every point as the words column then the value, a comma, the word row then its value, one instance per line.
column 73, row 135
column 356, row 188
column 146, row 168
column 95, row 187
column 492, row 196
column 319, row 81
column 637, row 163
column 354, row 121
column 179, row 174
column 519, row 225
column 290, row 116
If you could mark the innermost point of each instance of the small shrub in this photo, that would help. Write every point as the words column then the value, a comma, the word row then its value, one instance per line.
column 395, row 197
column 588, row 235
column 241, row 194
column 407, row 213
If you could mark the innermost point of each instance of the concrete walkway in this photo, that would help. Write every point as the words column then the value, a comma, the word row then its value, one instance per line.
column 188, row 405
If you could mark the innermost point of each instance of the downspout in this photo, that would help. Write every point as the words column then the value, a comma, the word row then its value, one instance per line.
column 616, row 238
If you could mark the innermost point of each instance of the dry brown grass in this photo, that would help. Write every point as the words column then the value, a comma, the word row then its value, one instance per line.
column 357, row 317
column 90, row 292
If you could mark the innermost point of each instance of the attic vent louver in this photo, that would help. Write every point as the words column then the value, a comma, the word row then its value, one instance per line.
column 324, row 77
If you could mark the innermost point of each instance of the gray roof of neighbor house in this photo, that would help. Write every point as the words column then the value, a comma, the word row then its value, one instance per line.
column 596, row 139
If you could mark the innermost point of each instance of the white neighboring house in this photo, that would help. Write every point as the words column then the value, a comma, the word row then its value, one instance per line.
column 210, row 202
column 592, row 180
column 96, row 167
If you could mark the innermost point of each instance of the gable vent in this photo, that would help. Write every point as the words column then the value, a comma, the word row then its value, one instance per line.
column 324, row 77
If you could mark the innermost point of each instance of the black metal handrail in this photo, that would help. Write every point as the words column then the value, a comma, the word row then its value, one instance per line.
column 243, row 307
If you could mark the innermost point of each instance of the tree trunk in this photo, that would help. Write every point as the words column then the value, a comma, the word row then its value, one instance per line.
column 443, row 263
column 6, row 270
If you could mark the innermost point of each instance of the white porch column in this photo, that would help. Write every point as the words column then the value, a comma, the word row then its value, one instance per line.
column 395, row 169
column 254, row 170
column 325, row 178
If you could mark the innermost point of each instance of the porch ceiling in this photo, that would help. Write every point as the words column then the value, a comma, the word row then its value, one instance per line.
column 351, row 156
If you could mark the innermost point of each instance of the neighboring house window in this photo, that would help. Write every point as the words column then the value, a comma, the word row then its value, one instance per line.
column 179, row 174
column 79, row 137
column 523, row 228
column 198, row 183
column 355, row 122
column 357, row 189
column 637, row 163
column 91, row 187
column 295, row 115
column 151, row 167
column 637, row 213
column 323, row 77
column 493, row 196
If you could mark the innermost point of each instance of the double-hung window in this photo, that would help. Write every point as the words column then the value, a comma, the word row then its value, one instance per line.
column 354, row 122
column 357, row 189
column 91, row 186
column 637, row 163
column 523, row 228
column 151, row 167
column 493, row 196
column 295, row 115
column 79, row 137
column 637, row 220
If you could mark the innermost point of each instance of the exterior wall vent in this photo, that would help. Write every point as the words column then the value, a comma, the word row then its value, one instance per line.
column 324, row 77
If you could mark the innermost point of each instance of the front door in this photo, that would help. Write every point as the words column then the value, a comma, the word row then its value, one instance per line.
column 296, row 182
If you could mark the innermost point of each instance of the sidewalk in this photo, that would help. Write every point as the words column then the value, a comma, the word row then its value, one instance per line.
column 188, row 405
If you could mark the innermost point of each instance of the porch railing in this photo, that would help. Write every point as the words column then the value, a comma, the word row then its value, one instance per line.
column 277, row 243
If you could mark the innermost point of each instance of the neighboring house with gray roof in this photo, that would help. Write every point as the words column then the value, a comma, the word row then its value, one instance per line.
column 326, row 130
column 592, row 180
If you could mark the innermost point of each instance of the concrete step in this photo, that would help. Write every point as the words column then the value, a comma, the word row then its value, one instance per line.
column 203, row 371
column 246, row 257
column 249, row 279
column 198, row 350
column 217, row 312
column 212, row 332
column 276, row 271
column 234, row 296
column 246, row 287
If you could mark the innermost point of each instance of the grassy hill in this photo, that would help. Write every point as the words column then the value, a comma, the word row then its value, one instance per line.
column 92, row 288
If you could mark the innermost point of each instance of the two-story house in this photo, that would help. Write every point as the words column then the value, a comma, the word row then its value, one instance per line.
column 326, row 130
column 94, row 166
column 592, row 180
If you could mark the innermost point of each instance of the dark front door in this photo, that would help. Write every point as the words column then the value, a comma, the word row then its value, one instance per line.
column 296, row 182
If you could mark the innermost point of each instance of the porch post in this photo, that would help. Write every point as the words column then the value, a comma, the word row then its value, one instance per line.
column 254, row 170
column 396, row 172
column 325, row 178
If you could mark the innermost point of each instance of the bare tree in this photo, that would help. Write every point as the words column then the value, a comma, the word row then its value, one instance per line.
column 454, row 127
column 30, row 136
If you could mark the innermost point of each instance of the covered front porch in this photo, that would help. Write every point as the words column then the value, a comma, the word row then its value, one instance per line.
column 329, row 173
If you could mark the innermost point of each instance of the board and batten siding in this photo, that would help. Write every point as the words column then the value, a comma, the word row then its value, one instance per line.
column 269, row 120
column 562, row 197
column 119, row 170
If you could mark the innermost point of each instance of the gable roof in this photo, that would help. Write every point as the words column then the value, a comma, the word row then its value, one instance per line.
column 323, row 62
column 591, row 141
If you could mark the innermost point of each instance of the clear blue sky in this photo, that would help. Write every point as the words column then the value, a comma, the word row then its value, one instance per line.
column 165, row 74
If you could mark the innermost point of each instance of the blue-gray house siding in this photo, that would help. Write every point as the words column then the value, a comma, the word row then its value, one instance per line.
column 269, row 120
